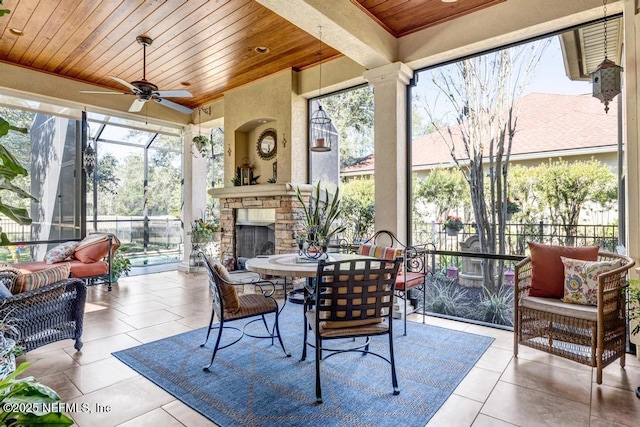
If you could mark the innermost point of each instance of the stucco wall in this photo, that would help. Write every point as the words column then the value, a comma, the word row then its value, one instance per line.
column 268, row 103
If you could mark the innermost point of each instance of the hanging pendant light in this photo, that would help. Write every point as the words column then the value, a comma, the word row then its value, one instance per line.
column 606, row 79
column 323, row 134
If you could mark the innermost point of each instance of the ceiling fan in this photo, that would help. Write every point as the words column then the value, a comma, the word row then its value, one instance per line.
column 145, row 91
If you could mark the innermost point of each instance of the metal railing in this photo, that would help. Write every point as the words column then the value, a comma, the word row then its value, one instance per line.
column 517, row 236
column 140, row 236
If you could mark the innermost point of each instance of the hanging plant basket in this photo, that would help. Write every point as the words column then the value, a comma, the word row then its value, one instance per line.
column 201, row 142
column 452, row 231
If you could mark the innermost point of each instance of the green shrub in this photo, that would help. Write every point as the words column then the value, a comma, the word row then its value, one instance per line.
column 444, row 297
column 496, row 308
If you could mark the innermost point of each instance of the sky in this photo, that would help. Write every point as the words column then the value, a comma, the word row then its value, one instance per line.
column 551, row 76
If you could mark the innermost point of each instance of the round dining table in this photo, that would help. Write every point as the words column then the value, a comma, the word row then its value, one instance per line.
column 290, row 265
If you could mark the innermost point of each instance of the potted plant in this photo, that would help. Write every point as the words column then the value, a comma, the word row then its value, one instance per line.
column 11, row 169
column 202, row 143
column 203, row 231
column 120, row 265
column 24, row 393
column 452, row 224
column 320, row 213
column 8, row 348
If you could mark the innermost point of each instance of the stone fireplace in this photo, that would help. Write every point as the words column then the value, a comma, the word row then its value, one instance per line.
column 279, row 199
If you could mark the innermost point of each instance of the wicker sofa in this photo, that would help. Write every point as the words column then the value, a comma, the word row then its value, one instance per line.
column 47, row 314
column 591, row 335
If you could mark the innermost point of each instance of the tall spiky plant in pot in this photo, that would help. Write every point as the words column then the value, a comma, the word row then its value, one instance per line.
column 321, row 212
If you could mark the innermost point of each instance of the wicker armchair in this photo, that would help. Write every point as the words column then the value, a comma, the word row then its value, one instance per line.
column 591, row 335
column 48, row 314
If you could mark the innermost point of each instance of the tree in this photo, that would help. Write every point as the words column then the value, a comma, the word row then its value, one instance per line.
column 106, row 179
column 567, row 187
column 445, row 188
column 358, row 207
column 481, row 94
column 352, row 114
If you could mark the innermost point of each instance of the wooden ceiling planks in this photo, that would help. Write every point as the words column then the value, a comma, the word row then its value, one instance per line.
column 402, row 17
column 209, row 44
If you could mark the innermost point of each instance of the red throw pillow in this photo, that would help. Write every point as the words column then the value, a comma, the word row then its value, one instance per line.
column 547, row 269
column 92, row 248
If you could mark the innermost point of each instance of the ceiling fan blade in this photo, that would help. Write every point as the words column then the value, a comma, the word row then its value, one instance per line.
column 180, row 93
column 125, row 83
column 136, row 106
column 173, row 105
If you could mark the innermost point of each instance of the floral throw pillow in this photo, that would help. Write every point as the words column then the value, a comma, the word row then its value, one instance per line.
column 581, row 279
column 60, row 253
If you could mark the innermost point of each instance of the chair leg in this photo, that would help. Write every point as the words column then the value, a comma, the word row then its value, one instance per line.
column 277, row 327
column 213, row 313
column 405, row 293
column 318, row 357
column 215, row 348
column 266, row 326
column 305, row 335
column 394, row 377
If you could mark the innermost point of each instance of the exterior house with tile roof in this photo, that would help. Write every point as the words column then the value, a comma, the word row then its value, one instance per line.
column 549, row 126
column 574, row 127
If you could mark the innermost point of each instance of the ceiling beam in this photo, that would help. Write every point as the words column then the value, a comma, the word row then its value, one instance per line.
column 345, row 28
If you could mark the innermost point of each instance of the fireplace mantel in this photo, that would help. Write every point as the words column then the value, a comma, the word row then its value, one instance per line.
column 260, row 190
column 289, row 214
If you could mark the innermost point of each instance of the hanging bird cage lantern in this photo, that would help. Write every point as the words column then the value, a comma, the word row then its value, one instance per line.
column 323, row 135
column 607, row 78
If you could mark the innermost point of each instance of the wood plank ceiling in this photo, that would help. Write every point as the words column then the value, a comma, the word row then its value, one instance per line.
column 204, row 46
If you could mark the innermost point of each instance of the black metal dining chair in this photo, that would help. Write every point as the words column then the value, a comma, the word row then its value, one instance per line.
column 228, row 306
column 352, row 299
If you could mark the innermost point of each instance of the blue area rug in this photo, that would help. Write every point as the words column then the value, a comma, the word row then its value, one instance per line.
column 252, row 384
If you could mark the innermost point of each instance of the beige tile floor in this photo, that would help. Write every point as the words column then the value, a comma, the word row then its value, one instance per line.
column 536, row 389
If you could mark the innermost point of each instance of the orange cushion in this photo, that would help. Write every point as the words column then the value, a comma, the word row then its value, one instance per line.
column 383, row 252
column 78, row 268
column 409, row 280
column 38, row 279
column 547, row 270
column 81, row 270
column 95, row 247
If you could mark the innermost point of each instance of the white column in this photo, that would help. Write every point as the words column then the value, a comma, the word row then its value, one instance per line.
column 632, row 131
column 390, row 117
column 194, row 191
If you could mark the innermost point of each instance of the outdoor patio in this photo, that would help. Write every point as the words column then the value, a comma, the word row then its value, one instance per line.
column 499, row 390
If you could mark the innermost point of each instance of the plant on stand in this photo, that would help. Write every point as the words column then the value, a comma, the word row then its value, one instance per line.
column 203, row 231
column 452, row 225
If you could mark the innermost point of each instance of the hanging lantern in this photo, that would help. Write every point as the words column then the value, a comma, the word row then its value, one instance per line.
column 606, row 79
column 323, row 134
column 89, row 159
column 607, row 82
